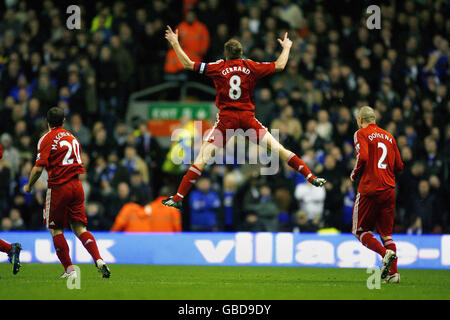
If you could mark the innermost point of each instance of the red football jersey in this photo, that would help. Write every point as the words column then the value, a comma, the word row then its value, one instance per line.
column 377, row 159
column 235, row 81
column 60, row 153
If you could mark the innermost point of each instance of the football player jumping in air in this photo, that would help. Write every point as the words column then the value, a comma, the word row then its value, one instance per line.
column 235, row 79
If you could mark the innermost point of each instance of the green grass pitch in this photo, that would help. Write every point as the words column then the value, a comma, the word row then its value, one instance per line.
column 39, row 281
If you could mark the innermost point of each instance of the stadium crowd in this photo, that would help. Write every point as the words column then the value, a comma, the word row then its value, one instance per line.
column 337, row 64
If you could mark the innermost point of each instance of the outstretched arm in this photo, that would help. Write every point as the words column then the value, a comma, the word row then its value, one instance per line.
column 286, row 43
column 172, row 37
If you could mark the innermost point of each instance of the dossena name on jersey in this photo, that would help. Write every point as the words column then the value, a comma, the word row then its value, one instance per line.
column 379, row 135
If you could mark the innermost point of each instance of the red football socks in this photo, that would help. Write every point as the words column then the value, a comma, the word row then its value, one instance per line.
column 62, row 251
column 298, row 165
column 372, row 243
column 88, row 241
column 189, row 179
column 390, row 244
column 5, row 246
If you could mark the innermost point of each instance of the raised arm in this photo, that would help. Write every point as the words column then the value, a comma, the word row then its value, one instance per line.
column 286, row 43
column 172, row 37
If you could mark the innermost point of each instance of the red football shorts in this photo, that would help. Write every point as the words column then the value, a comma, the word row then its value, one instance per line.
column 64, row 204
column 229, row 120
column 375, row 210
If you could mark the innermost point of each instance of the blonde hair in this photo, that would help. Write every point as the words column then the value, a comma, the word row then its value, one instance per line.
column 367, row 114
column 233, row 49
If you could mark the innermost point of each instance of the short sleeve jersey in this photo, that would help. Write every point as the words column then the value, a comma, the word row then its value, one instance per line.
column 235, row 81
column 377, row 159
column 60, row 153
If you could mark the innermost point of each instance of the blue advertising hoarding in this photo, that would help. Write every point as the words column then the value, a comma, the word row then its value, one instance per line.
column 236, row 249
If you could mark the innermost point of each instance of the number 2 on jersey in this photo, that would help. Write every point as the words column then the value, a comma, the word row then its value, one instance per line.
column 235, row 89
column 75, row 147
column 383, row 147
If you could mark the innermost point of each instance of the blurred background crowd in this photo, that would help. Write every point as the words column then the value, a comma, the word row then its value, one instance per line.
column 336, row 65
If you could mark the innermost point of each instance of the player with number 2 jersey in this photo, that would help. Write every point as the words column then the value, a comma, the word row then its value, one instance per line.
column 377, row 161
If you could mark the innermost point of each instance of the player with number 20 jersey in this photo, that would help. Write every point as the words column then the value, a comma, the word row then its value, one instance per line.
column 60, row 153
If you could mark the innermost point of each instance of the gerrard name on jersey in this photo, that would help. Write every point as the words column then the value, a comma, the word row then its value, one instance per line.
column 236, row 69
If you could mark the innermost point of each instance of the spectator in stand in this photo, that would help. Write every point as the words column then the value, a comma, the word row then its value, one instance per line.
column 222, row 35
column 132, row 218
column 137, row 185
column 194, row 39
column 101, row 144
column 290, row 13
column 204, row 206
column 5, row 177
column 45, row 92
column 348, row 191
column 266, row 106
column 229, row 192
column 17, row 223
column 10, row 153
column 96, row 218
column 107, row 75
column 148, row 147
column 252, row 223
column 336, row 65
column 6, row 224
column 324, row 127
column 125, row 69
column 134, row 163
column 311, row 200
column 265, row 208
column 77, row 100
column 118, row 198
column 425, row 210
column 79, row 130
column 434, row 162
column 162, row 218
column 334, row 197
column 301, row 223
